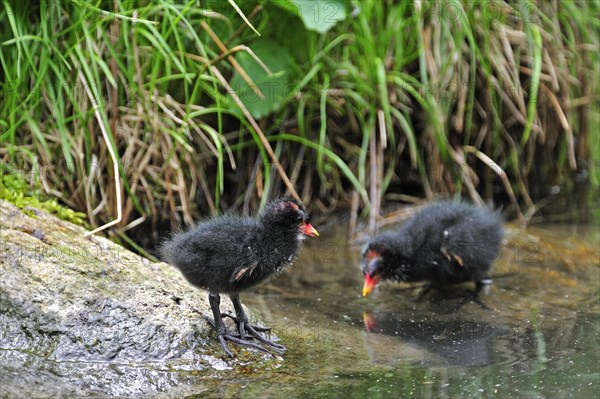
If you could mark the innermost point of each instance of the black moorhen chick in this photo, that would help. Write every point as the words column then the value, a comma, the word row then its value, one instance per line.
column 229, row 254
column 444, row 243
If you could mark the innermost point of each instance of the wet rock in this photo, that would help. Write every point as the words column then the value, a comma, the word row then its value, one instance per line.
column 82, row 316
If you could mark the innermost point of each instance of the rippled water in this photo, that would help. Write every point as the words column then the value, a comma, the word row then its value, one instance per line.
column 541, row 340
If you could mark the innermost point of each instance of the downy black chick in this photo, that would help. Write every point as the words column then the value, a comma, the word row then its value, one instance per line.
column 444, row 243
column 230, row 254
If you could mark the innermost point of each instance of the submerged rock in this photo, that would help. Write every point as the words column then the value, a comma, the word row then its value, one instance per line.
column 82, row 316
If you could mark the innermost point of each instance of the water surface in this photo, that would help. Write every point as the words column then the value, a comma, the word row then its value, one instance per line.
column 541, row 340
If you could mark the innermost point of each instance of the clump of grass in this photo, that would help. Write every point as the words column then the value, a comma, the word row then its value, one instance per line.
column 466, row 99
column 154, row 101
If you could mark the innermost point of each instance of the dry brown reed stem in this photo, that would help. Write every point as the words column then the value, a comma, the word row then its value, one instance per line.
column 467, row 181
column 232, row 60
column 354, row 203
column 376, row 162
column 243, row 27
column 500, row 172
column 374, row 182
column 564, row 123
column 459, row 118
column 399, row 215
column 117, row 177
column 297, row 165
column 245, row 49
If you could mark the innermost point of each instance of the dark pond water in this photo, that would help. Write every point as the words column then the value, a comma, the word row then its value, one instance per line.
column 541, row 340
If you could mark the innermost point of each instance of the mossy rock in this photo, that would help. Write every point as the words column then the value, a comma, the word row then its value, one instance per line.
column 84, row 315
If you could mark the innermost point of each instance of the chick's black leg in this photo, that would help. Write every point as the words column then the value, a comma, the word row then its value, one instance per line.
column 244, row 326
column 217, row 323
column 423, row 291
column 482, row 285
column 215, row 301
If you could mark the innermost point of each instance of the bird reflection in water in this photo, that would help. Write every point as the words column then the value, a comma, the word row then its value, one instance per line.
column 443, row 343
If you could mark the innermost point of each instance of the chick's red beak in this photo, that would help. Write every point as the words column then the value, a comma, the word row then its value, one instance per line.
column 370, row 284
column 310, row 231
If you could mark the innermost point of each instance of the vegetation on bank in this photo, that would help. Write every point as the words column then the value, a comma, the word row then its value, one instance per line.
column 15, row 189
column 216, row 106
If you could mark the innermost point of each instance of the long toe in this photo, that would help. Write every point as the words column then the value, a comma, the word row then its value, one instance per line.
column 240, row 322
column 224, row 345
column 259, row 328
column 247, row 326
column 422, row 292
column 212, row 324
column 472, row 298
column 254, row 331
column 256, row 335
column 241, row 342
column 478, row 301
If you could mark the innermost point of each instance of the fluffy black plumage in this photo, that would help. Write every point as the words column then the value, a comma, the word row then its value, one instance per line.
column 229, row 254
column 443, row 243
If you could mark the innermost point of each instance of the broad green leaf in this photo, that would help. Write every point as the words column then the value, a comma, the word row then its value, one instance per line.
column 317, row 15
column 275, row 87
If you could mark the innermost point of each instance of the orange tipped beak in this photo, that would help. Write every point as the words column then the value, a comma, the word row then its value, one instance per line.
column 370, row 284
column 310, row 231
